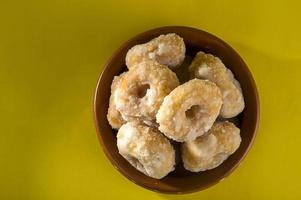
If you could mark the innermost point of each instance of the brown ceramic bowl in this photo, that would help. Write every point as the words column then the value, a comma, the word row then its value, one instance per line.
column 180, row 180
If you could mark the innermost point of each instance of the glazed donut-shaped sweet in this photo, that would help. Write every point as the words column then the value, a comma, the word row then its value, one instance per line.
column 207, row 66
column 142, row 90
column 189, row 110
column 211, row 150
column 166, row 49
column 146, row 149
column 114, row 116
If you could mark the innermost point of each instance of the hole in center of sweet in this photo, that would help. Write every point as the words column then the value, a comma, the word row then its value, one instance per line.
column 141, row 91
column 192, row 111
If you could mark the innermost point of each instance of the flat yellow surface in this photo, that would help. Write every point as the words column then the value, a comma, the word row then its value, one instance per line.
column 52, row 52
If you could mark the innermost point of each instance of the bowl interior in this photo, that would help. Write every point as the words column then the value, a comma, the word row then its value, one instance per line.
column 180, row 180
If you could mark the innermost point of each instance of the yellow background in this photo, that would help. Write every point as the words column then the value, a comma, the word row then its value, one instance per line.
column 52, row 52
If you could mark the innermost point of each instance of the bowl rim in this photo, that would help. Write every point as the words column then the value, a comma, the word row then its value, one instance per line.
column 97, row 125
